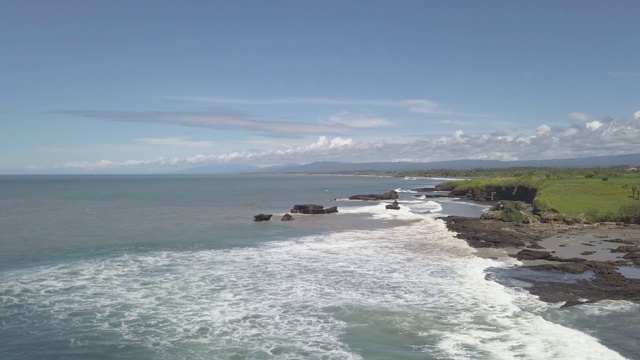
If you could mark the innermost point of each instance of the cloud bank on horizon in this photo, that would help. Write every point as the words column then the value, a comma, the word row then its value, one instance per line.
column 144, row 87
column 582, row 138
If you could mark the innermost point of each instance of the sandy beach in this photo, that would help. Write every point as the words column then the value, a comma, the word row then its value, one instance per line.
column 603, row 259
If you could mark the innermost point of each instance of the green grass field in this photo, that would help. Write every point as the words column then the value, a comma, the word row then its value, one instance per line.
column 572, row 194
column 576, row 196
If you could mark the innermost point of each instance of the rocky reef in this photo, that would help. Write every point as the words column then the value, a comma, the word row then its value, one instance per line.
column 389, row 195
column 313, row 209
column 538, row 246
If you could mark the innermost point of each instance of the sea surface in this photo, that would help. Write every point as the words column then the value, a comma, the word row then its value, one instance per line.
column 174, row 267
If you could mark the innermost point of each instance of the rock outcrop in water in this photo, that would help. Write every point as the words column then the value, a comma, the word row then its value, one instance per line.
column 393, row 206
column 313, row 209
column 286, row 217
column 262, row 217
column 389, row 195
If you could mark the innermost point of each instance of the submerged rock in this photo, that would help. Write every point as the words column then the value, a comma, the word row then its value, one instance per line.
column 286, row 217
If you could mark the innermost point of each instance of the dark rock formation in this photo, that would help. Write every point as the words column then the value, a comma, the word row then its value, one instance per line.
column 575, row 302
column 389, row 195
column 483, row 233
column 393, row 206
column 286, row 217
column 262, row 217
column 518, row 193
column 606, row 283
column 528, row 254
column 331, row 210
column 424, row 189
column 313, row 209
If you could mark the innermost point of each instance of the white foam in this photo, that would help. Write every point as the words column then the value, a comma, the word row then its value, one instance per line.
column 424, row 206
column 297, row 298
column 607, row 307
column 400, row 190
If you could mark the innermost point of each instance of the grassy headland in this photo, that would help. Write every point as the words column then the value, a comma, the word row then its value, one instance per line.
column 571, row 195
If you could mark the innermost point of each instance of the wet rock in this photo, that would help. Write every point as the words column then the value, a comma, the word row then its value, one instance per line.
column 262, row 217
column 286, row 217
column 313, row 209
column 606, row 282
column 575, row 302
column 424, row 189
column 393, row 206
column 389, row 195
column 528, row 254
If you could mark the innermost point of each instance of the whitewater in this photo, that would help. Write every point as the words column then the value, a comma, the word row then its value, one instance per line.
column 173, row 268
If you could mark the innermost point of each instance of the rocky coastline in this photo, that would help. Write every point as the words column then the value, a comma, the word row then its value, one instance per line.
column 599, row 251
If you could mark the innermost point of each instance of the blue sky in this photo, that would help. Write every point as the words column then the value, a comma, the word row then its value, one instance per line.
column 158, row 86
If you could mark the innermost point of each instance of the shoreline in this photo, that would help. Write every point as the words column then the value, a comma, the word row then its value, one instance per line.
column 574, row 264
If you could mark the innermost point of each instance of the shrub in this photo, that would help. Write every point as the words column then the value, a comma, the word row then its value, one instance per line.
column 510, row 211
column 513, row 215
column 630, row 214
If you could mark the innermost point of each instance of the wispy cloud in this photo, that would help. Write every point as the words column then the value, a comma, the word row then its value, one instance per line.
column 176, row 142
column 418, row 106
column 215, row 120
column 578, row 117
column 358, row 121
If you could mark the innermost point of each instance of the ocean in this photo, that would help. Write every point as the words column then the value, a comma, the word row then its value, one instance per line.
column 174, row 267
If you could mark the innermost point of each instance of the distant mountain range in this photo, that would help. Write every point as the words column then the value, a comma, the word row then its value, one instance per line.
column 333, row 167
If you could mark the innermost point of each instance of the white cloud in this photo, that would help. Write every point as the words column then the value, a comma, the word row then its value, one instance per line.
column 604, row 137
column 324, row 143
column 594, row 125
column 543, row 129
column 636, row 116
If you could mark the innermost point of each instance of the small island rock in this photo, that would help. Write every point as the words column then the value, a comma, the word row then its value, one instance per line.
column 313, row 209
column 393, row 206
column 262, row 217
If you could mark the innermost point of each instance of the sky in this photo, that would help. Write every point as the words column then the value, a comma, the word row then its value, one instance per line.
column 155, row 86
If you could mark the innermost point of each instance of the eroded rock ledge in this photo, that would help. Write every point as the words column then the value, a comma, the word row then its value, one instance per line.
column 522, row 239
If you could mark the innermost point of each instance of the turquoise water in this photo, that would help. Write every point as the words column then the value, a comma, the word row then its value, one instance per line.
column 173, row 267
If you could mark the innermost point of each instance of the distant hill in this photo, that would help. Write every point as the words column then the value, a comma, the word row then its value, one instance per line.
column 333, row 167
column 329, row 167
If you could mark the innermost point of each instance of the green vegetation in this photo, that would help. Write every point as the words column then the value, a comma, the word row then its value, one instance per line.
column 514, row 172
column 510, row 211
column 573, row 195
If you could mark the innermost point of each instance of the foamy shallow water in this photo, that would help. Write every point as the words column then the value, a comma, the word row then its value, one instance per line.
column 405, row 292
